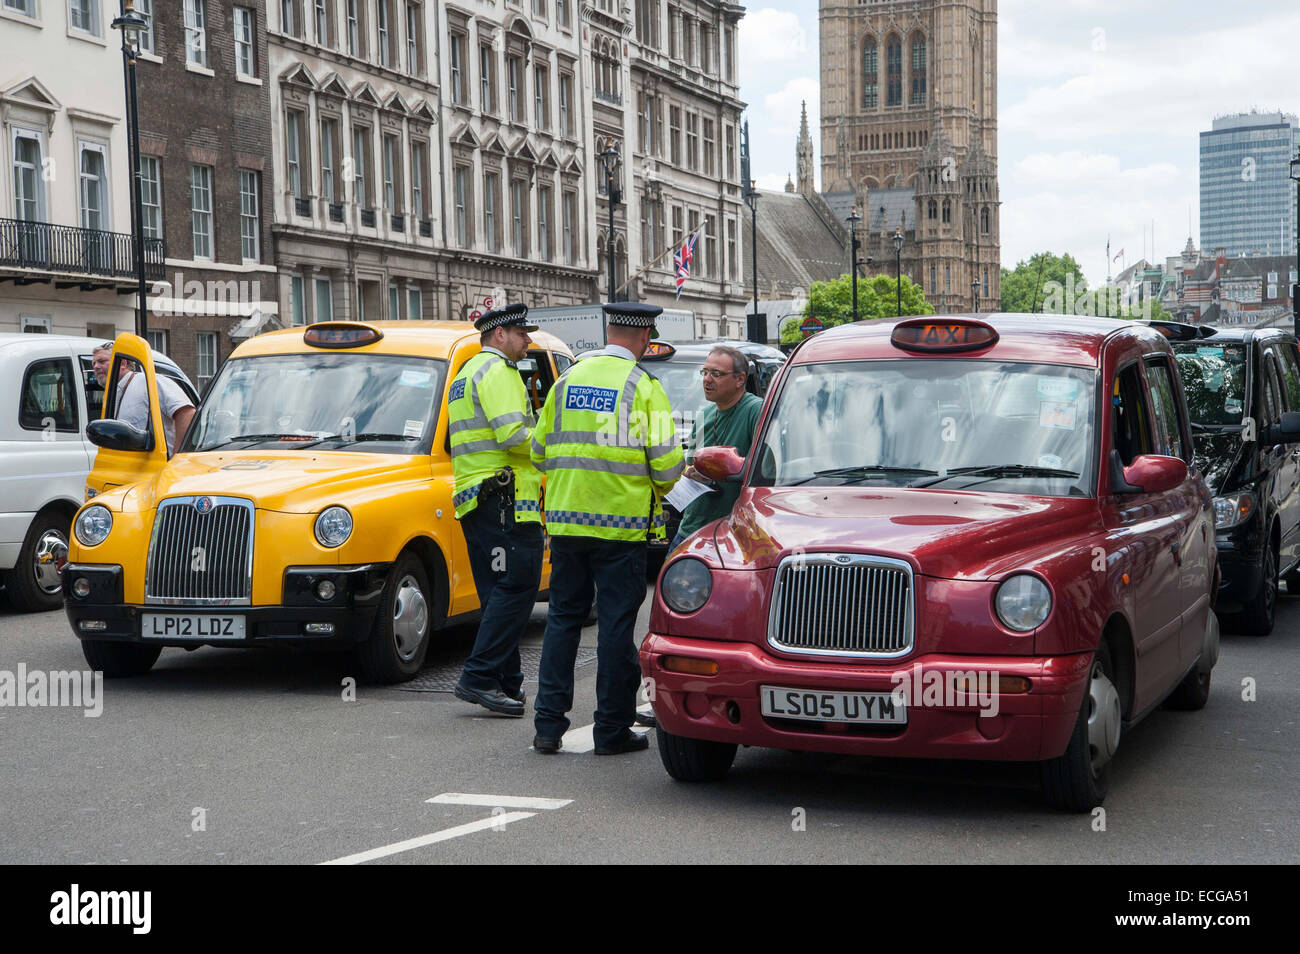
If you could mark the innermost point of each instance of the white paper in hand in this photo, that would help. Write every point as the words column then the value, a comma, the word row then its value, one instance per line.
column 685, row 491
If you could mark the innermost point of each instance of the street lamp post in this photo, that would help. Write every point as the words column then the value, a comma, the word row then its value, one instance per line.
column 898, row 265
column 131, row 23
column 1295, row 286
column 975, row 293
column 854, row 219
column 610, row 159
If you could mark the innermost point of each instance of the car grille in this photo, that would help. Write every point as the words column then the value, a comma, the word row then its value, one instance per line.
column 200, row 558
column 842, row 604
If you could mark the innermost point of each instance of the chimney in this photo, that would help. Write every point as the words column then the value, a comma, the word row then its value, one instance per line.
column 1220, row 262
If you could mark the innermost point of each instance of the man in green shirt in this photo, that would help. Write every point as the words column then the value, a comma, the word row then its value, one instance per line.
column 728, row 420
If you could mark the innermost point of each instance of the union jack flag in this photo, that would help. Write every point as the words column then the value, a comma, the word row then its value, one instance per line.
column 682, row 259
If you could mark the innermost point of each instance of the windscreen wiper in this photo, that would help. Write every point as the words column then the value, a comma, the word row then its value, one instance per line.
column 260, row 437
column 998, row 470
column 358, row 438
column 1218, row 428
column 862, row 472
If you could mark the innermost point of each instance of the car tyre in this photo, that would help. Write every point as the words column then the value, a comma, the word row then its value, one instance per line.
column 1257, row 616
column 399, row 637
column 1077, row 781
column 119, row 660
column 694, row 760
column 35, row 583
column 1192, row 693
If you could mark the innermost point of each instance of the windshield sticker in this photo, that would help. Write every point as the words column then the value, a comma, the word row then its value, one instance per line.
column 1057, row 388
column 1050, row 460
column 412, row 378
column 1056, row 414
column 1232, row 406
column 413, row 429
column 1206, row 352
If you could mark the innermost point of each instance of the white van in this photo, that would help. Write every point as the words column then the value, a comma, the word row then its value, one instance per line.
column 48, row 393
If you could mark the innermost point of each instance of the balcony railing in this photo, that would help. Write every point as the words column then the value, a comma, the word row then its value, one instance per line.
column 336, row 211
column 614, row 99
column 368, row 218
column 426, row 228
column 70, row 250
column 397, row 223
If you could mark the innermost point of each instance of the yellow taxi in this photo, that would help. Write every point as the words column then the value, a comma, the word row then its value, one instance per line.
column 308, row 504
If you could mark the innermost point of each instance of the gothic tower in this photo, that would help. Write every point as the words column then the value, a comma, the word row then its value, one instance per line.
column 804, row 155
column 909, row 122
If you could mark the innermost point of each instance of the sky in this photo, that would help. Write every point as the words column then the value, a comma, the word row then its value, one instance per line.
column 1100, row 106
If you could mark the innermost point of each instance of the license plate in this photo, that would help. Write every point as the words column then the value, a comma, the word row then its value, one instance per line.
column 204, row 626
column 812, row 705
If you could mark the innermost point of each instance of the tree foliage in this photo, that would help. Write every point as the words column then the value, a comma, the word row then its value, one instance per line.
column 832, row 302
column 1025, row 287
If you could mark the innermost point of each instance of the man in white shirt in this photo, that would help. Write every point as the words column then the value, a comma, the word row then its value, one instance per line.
column 177, row 410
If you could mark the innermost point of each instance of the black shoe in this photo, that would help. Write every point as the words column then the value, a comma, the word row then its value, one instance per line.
column 632, row 742
column 646, row 719
column 493, row 699
column 547, row 745
column 518, row 695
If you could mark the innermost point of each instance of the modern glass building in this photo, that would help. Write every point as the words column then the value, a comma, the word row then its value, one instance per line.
column 1248, row 201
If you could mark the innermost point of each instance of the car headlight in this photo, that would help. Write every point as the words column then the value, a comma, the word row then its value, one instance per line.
column 686, row 585
column 333, row 526
column 1023, row 602
column 93, row 525
column 1232, row 510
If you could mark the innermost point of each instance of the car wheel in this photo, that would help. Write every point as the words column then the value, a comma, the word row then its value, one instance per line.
column 1077, row 780
column 694, row 760
column 118, row 660
column 36, row 581
column 1256, row 617
column 1192, row 693
column 399, row 638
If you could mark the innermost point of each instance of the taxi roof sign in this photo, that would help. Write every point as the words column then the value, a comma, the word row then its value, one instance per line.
column 658, row 351
column 341, row 334
column 943, row 335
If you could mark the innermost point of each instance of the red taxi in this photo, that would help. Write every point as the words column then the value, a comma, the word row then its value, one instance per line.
column 958, row 537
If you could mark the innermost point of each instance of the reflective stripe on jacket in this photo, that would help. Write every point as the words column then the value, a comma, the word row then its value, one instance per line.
column 490, row 422
column 608, row 446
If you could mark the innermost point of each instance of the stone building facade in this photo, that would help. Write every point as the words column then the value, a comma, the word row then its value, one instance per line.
column 909, row 137
column 205, row 146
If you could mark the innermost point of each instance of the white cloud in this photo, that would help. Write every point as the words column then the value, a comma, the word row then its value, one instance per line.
column 773, row 182
column 770, row 36
column 783, row 108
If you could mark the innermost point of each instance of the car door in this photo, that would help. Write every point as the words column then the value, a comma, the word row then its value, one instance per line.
column 1149, row 530
column 1192, row 555
column 1284, row 355
column 116, row 467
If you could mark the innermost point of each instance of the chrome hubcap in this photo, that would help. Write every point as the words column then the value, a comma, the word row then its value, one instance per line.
column 410, row 618
column 50, row 556
column 1103, row 718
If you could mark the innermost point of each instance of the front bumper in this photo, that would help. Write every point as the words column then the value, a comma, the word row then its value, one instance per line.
column 350, row 612
column 1028, row 726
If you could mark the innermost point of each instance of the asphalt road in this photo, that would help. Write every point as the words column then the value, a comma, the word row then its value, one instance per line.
column 228, row 756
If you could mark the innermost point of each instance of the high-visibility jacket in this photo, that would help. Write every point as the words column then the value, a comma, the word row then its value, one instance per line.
column 607, row 443
column 490, row 421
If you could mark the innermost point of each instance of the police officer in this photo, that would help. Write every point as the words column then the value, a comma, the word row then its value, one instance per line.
column 607, row 444
column 496, row 500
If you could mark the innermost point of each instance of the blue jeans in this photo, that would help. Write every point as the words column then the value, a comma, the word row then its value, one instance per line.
column 581, row 567
column 507, row 565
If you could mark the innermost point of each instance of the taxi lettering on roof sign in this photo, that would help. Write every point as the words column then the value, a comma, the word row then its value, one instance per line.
column 310, row 503
column 933, row 556
column 579, row 397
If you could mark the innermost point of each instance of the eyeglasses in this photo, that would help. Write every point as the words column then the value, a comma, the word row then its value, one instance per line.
column 715, row 373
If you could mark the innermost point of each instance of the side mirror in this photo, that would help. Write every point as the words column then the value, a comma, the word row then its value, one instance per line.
column 1286, row 431
column 117, row 435
column 1154, row 474
column 719, row 464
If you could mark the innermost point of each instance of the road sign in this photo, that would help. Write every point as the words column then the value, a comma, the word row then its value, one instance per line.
column 811, row 326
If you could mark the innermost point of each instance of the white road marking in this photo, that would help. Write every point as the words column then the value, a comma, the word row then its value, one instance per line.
column 446, row 834
column 498, row 801
column 582, row 739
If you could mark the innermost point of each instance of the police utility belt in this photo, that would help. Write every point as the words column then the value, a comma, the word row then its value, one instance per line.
column 499, row 484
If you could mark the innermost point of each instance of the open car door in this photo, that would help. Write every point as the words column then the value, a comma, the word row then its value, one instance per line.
column 127, row 454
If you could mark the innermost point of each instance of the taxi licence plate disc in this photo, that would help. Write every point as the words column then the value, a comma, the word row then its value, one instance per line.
column 808, row 705
column 199, row 626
